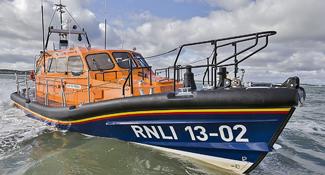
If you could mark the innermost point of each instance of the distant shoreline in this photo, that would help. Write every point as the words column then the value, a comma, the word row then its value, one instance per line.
column 10, row 71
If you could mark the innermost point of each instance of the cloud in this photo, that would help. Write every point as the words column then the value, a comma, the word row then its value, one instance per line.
column 223, row 4
column 298, row 46
column 21, row 36
column 293, row 21
column 229, row 5
column 297, row 49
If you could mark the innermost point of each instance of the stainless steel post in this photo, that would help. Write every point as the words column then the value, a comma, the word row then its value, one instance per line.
column 35, row 89
column 88, row 86
column 46, row 92
column 26, row 87
column 17, row 83
column 63, row 94
column 150, row 76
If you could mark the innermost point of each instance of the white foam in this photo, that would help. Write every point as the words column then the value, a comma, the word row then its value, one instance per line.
column 15, row 126
column 277, row 146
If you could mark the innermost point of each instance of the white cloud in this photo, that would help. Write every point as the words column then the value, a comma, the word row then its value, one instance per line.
column 224, row 4
column 298, row 46
column 229, row 4
column 297, row 49
column 21, row 34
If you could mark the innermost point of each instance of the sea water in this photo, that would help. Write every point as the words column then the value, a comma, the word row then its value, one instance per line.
column 28, row 146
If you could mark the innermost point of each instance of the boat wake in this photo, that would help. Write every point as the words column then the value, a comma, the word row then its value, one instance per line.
column 15, row 127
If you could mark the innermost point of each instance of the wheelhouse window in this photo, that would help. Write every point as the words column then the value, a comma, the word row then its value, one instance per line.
column 58, row 65
column 75, row 64
column 122, row 59
column 100, row 61
column 140, row 60
column 61, row 65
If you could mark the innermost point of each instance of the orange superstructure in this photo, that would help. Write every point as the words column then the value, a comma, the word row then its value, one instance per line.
column 70, row 75
column 80, row 75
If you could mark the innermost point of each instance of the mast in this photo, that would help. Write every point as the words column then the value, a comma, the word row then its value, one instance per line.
column 64, row 34
column 63, row 39
column 61, row 14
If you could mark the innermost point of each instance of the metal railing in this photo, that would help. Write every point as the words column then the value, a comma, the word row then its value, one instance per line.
column 210, row 73
column 168, row 71
column 211, row 66
column 53, row 82
column 23, row 83
column 129, row 78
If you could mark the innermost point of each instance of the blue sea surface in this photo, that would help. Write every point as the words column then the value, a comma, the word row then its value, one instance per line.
column 28, row 146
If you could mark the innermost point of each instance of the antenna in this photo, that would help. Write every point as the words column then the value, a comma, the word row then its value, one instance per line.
column 42, row 11
column 60, row 9
column 105, row 33
column 105, row 25
column 64, row 34
column 63, row 37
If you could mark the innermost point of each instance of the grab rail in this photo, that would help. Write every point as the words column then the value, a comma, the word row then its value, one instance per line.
column 23, row 82
column 214, row 63
column 130, row 78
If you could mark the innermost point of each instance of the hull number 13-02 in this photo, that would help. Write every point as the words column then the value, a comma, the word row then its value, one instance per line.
column 196, row 133
column 225, row 132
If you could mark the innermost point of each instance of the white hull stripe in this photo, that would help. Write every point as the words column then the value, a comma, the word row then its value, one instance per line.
column 234, row 166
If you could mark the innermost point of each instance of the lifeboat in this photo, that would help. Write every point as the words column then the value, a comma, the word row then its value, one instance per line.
column 219, row 119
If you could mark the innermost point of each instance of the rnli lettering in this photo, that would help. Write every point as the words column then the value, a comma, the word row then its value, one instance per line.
column 158, row 132
column 226, row 133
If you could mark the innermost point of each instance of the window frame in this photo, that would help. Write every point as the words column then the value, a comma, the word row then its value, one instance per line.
column 80, row 61
column 131, row 56
column 89, row 68
column 140, row 60
column 66, row 65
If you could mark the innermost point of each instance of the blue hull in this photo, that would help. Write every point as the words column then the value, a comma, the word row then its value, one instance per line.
column 243, row 138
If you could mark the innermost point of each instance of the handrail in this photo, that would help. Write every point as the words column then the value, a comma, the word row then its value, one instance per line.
column 130, row 78
column 166, row 70
column 207, row 72
column 231, row 41
column 242, row 51
column 124, row 84
column 50, row 81
column 211, row 64
column 60, row 82
column 224, row 65
column 243, row 59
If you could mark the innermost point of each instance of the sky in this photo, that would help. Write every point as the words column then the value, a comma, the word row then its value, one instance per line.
column 156, row 26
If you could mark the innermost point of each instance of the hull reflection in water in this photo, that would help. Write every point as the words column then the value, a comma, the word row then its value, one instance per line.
column 71, row 153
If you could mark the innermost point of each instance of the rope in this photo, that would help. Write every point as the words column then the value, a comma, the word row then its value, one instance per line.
column 161, row 54
column 196, row 61
column 53, row 16
column 72, row 17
